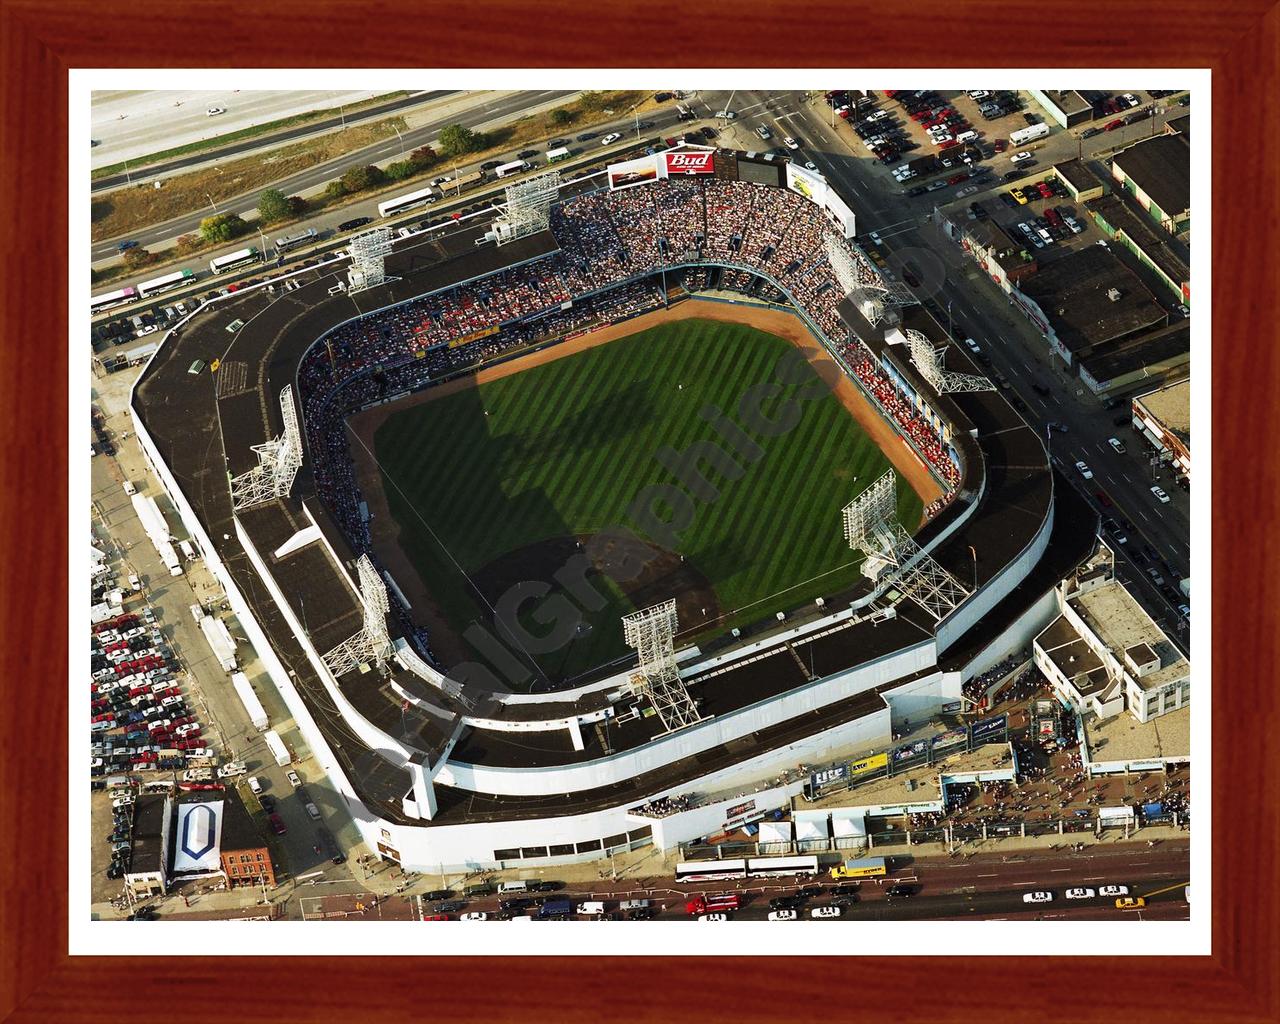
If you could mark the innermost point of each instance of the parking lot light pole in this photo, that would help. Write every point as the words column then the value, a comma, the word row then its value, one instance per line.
column 401, row 138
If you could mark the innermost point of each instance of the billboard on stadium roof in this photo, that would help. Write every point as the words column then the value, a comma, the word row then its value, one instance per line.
column 688, row 161
column 839, row 213
column 810, row 184
column 630, row 173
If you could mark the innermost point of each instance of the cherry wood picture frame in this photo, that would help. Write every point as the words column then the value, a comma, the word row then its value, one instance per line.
column 41, row 41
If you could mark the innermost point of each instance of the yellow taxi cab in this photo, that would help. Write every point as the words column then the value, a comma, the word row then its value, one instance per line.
column 1130, row 903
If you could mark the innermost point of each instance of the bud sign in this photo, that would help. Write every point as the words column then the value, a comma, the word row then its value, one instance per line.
column 697, row 162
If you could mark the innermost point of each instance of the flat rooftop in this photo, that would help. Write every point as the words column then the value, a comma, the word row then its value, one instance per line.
column 1181, row 125
column 147, row 834
column 1171, row 408
column 1155, row 350
column 1123, row 738
column 1067, row 100
column 1077, row 174
column 1121, row 623
column 1092, row 298
column 1161, row 167
column 1158, row 246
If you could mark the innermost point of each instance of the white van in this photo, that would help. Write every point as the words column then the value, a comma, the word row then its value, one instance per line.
column 129, row 488
column 591, row 908
column 507, row 888
column 968, row 136
column 255, row 787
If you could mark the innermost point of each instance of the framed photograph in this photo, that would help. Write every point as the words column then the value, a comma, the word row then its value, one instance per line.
column 623, row 501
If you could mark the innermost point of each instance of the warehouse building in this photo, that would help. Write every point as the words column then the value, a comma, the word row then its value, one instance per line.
column 1081, row 182
column 1163, row 417
column 1159, row 252
column 1157, row 173
column 1067, row 107
column 1087, row 300
column 1127, row 364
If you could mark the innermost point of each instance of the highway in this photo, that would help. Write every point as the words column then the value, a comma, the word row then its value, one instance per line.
column 901, row 228
column 484, row 113
column 170, row 134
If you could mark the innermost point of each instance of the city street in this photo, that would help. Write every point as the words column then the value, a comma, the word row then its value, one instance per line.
column 902, row 229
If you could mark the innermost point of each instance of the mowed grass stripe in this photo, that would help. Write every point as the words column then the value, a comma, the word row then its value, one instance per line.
column 570, row 445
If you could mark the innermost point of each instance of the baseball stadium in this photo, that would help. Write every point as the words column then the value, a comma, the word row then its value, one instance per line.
column 644, row 490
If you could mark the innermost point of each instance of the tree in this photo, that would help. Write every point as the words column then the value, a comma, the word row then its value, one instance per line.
column 222, row 228
column 400, row 169
column 272, row 206
column 335, row 190
column 423, row 156
column 456, row 139
column 188, row 244
column 561, row 116
column 359, row 178
column 137, row 257
column 297, row 206
column 592, row 99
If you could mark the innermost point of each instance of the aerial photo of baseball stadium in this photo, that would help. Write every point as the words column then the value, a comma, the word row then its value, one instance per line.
column 640, row 505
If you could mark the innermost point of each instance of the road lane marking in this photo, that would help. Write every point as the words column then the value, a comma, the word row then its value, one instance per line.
column 1056, row 870
column 992, row 875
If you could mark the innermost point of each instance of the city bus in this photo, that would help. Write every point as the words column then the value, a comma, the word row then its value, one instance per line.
column 232, row 260
column 462, row 181
column 554, row 156
column 163, row 284
column 407, row 202
column 778, row 867
column 110, row 300
column 868, row 867
column 515, row 167
column 293, row 241
column 710, row 871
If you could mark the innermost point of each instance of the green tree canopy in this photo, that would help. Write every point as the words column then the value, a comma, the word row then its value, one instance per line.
column 222, row 228
column 272, row 206
column 456, row 139
column 561, row 116
column 360, row 178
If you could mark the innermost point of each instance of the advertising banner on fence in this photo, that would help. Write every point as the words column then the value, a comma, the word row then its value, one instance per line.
column 828, row 776
column 633, row 172
column 467, row 339
column 953, row 707
column 989, row 727
column 689, row 161
column 910, row 750
column 868, row 764
column 951, row 738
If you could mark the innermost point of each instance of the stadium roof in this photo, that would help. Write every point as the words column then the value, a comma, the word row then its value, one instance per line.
column 1161, row 167
column 1090, row 298
column 202, row 434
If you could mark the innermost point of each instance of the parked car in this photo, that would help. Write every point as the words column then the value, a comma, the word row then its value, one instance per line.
column 1037, row 897
column 214, row 111
column 1083, row 893
column 825, row 912
column 610, row 139
column 783, row 915
column 277, row 824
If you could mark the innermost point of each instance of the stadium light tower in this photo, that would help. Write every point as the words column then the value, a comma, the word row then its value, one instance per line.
column 529, row 205
column 893, row 557
column 651, row 631
column 278, row 462
column 876, row 298
column 369, row 251
column 372, row 643
column 928, row 361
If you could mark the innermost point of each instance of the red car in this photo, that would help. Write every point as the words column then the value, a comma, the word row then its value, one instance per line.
column 108, row 717
column 955, row 179
column 1113, row 125
column 184, row 720
column 948, row 144
column 1045, row 190
column 278, row 825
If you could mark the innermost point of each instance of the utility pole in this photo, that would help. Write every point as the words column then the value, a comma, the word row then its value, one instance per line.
column 401, row 138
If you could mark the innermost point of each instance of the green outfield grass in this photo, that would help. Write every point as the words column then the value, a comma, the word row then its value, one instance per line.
column 564, row 449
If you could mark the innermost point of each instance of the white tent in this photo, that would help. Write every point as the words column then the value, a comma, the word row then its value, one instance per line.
column 811, row 828
column 774, row 832
column 849, row 824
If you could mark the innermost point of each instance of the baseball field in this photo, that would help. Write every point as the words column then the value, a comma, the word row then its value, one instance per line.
column 504, row 482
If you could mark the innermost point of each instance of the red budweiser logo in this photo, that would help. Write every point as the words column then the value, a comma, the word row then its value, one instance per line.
column 690, row 163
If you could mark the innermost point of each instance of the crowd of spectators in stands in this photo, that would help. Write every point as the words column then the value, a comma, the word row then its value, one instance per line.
column 605, row 239
column 662, row 807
